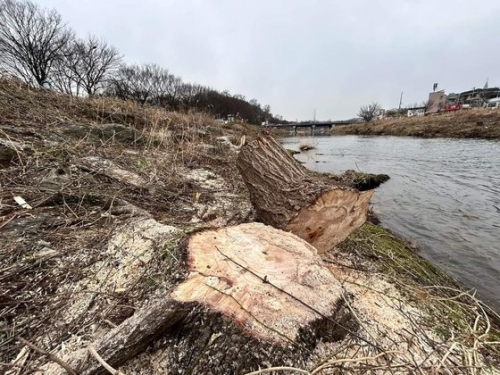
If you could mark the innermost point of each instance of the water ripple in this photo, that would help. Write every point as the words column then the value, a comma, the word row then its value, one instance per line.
column 442, row 194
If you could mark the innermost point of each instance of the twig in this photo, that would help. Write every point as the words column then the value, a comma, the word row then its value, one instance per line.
column 271, row 369
column 50, row 356
column 347, row 360
column 8, row 221
column 103, row 362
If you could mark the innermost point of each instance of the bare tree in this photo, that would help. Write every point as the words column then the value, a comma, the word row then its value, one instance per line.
column 94, row 61
column 31, row 39
column 63, row 76
column 369, row 112
column 143, row 83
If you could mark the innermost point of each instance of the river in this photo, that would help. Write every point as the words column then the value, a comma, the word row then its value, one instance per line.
column 444, row 195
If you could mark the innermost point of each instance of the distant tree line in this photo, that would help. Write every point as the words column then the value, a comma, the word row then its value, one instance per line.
column 38, row 47
column 372, row 111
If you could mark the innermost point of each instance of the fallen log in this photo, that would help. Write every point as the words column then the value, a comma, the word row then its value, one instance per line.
column 254, row 295
column 125, row 341
column 288, row 196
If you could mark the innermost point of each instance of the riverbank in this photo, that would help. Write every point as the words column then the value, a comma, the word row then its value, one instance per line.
column 473, row 123
column 97, row 197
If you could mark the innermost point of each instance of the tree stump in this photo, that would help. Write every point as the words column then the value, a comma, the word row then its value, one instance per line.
column 254, row 296
column 270, row 282
column 288, row 196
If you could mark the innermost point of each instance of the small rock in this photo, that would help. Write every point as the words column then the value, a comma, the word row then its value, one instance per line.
column 10, row 150
column 110, row 169
column 116, row 132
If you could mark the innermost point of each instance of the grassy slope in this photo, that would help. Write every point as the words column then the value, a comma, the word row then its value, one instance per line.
column 475, row 123
column 74, row 211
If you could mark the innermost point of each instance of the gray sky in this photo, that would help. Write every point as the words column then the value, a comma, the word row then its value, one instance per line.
column 298, row 55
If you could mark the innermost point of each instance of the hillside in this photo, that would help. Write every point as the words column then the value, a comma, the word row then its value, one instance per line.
column 474, row 123
column 97, row 200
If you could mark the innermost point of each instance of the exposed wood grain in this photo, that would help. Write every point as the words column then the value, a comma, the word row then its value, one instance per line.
column 269, row 281
column 288, row 196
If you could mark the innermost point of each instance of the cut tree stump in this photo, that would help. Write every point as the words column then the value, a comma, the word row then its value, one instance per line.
column 254, row 295
column 288, row 196
column 269, row 281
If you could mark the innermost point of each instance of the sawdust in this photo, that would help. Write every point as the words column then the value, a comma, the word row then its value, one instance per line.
column 125, row 261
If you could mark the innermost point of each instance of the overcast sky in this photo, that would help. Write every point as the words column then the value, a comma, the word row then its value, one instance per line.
column 298, row 55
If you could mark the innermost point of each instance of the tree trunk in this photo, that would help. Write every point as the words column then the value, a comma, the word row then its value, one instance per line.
column 289, row 197
column 262, row 278
column 254, row 295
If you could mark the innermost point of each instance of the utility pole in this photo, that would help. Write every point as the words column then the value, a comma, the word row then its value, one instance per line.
column 400, row 101
column 314, row 115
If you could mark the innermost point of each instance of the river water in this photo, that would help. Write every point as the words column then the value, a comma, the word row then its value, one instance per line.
column 444, row 195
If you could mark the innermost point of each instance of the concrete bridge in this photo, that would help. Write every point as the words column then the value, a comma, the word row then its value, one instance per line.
column 311, row 124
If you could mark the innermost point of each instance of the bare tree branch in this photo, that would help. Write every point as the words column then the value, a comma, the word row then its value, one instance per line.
column 369, row 112
column 31, row 39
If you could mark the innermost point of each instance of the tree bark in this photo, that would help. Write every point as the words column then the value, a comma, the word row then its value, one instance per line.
column 288, row 196
column 127, row 340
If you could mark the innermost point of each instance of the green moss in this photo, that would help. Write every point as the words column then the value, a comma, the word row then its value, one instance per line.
column 450, row 310
column 143, row 164
column 395, row 257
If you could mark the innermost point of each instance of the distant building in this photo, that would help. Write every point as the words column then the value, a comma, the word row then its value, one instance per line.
column 417, row 111
column 478, row 97
column 452, row 98
column 436, row 103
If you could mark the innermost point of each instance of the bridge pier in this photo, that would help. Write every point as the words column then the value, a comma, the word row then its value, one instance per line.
column 313, row 127
column 294, row 130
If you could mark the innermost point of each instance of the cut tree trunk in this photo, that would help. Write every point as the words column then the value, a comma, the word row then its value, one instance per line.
column 254, row 296
column 288, row 196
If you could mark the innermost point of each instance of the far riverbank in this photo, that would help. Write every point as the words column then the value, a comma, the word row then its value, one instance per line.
column 474, row 123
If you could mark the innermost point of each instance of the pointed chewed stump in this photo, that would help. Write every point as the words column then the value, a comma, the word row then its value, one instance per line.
column 253, row 296
column 288, row 196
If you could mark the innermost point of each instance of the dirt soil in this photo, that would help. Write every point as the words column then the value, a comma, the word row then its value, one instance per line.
column 96, row 199
column 473, row 123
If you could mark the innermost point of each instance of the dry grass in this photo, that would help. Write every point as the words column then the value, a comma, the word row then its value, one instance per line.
column 473, row 123
column 76, row 209
column 412, row 318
